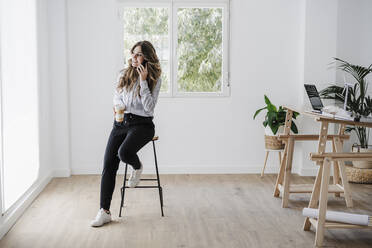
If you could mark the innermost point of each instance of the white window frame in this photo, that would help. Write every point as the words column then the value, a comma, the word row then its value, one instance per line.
column 173, row 5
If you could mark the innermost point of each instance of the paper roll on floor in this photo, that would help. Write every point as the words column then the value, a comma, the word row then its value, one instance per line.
column 355, row 219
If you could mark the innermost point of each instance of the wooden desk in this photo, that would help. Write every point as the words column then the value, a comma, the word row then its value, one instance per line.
column 283, row 182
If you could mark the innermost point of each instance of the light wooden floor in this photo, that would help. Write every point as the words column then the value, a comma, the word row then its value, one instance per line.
column 200, row 211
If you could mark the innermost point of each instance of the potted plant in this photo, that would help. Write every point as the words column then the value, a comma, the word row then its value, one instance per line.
column 274, row 124
column 358, row 103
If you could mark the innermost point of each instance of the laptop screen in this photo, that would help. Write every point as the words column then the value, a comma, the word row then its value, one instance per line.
column 314, row 97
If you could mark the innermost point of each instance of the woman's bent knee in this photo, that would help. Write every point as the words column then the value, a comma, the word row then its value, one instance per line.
column 125, row 155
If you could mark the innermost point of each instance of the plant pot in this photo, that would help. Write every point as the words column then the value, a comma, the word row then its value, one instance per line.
column 271, row 141
column 270, row 133
column 362, row 164
column 356, row 175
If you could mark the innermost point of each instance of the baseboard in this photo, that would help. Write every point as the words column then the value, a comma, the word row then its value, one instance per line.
column 307, row 172
column 186, row 169
column 12, row 214
column 61, row 173
column 192, row 169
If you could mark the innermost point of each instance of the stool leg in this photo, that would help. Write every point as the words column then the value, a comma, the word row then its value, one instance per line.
column 123, row 189
column 161, row 196
column 161, row 200
column 158, row 179
column 263, row 169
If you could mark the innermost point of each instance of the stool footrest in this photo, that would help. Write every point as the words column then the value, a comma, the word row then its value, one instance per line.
column 155, row 187
column 145, row 179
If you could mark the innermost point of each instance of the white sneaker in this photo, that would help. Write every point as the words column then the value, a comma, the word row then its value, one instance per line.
column 101, row 218
column 135, row 177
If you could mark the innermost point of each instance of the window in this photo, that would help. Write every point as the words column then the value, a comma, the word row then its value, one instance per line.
column 150, row 24
column 191, row 40
column 19, row 136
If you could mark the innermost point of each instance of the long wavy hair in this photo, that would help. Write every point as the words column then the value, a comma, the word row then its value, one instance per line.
column 130, row 75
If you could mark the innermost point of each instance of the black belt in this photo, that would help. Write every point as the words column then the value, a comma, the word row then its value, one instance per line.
column 130, row 116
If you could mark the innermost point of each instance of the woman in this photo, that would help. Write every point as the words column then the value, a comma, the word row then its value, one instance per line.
column 137, row 90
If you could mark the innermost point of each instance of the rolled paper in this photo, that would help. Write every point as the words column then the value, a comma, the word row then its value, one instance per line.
column 355, row 219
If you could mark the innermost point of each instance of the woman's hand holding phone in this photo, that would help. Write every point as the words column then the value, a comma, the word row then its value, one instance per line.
column 142, row 70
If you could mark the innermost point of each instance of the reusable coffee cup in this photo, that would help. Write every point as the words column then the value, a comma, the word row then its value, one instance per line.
column 119, row 112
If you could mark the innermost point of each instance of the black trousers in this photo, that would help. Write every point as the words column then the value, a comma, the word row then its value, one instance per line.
column 125, row 140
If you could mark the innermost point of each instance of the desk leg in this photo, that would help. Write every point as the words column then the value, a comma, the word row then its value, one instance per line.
column 287, row 130
column 319, row 235
column 287, row 174
column 336, row 171
column 345, row 183
column 316, row 188
column 279, row 179
column 314, row 196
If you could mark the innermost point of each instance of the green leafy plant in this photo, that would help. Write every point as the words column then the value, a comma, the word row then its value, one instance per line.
column 358, row 102
column 275, row 117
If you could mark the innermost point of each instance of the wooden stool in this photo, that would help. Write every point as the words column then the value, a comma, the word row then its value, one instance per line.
column 145, row 179
column 267, row 155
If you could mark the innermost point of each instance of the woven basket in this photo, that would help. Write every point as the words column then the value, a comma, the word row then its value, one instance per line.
column 273, row 143
column 362, row 164
column 357, row 175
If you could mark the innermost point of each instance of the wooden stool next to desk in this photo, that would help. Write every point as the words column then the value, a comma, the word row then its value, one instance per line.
column 321, row 189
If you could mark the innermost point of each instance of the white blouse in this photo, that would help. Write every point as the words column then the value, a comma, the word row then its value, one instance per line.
column 143, row 106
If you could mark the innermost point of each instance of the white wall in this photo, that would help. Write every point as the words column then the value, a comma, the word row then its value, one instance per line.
column 45, row 132
column 354, row 31
column 319, row 48
column 59, row 91
column 276, row 46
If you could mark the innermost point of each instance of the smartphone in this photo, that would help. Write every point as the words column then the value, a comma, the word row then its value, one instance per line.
column 144, row 63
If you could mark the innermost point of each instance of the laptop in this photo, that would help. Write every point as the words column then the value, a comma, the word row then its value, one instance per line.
column 312, row 93
column 317, row 104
